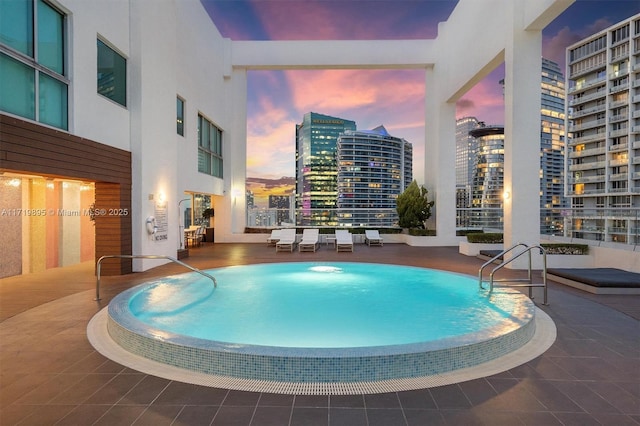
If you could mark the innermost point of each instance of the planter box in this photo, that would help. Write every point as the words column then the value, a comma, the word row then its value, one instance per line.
column 569, row 261
column 473, row 249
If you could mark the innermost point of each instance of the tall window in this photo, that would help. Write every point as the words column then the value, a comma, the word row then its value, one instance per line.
column 209, row 148
column 32, row 62
column 180, row 116
column 112, row 74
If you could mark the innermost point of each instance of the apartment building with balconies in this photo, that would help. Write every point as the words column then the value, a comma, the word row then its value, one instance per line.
column 603, row 143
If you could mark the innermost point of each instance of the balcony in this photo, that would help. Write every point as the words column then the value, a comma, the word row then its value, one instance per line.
column 586, row 152
column 586, row 179
column 619, row 73
column 619, row 88
column 619, row 162
column 587, row 166
column 619, row 147
column 589, row 138
column 619, row 132
column 619, row 117
column 636, row 114
column 635, row 129
column 586, row 98
column 587, row 111
column 587, row 125
column 619, row 176
column 587, row 85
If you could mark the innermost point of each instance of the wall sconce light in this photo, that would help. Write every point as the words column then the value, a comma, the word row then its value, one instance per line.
column 161, row 198
column 506, row 195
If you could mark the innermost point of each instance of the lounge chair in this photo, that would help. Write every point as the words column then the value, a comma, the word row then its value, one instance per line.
column 274, row 237
column 344, row 240
column 310, row 240
column 372, row 238
column 287, row 240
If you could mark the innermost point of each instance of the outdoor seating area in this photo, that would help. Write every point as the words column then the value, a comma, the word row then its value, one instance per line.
column 311, row 239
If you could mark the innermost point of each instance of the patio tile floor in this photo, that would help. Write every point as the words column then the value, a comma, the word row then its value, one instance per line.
column 50, row 374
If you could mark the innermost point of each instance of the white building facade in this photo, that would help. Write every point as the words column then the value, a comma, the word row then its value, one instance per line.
column 133, row 128
column 603, row 148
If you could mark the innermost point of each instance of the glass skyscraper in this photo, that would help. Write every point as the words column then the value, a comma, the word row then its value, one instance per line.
column 316, row 168
column 373, row 169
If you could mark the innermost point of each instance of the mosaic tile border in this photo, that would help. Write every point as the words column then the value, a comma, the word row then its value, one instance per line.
column 544, row 337
column 304, row 365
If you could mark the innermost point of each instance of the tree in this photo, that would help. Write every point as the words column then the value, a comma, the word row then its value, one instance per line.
column 413, row 207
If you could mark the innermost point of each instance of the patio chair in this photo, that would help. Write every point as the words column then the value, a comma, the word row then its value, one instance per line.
column 344, row 240
column 372, row 238
column 287, row 240
column 274, row 237
column 310, row 240
column 195, row 238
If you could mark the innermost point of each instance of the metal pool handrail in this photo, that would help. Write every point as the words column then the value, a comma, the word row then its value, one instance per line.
column 145, row 256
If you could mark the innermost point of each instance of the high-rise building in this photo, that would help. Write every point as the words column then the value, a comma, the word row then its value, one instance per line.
column 466, row 148
column 316, row 168
column 603, row 146
column 552, row 140
column 280, row 203
column 488, row 177
column 373, row 169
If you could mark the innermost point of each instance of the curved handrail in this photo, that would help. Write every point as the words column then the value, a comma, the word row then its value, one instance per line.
column 529, row 280
column 497, row 256
column 145, row 256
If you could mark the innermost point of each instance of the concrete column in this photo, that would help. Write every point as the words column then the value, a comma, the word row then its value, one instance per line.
column 522, row 134
column 440, row 152
column 236, row 193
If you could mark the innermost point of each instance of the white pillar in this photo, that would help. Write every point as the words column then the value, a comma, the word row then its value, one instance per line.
column 236, row 193
column 522, row 134
column 439, row 162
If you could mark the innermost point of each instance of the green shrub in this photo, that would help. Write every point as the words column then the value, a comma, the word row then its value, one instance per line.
column 465, row 232
column 562, row 248
column 485, row 238
column 422, row 232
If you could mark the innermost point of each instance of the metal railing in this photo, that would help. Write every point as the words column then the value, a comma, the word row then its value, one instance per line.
column 145, row 256
column 528, row 282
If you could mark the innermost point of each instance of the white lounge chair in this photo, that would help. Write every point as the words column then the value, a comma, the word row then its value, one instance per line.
column 287, row 240
column 372, row 237
column 344, row 240
column 310, row 240
column 274, row 237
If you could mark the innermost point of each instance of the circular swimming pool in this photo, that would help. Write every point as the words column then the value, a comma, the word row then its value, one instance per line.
column 320, row 322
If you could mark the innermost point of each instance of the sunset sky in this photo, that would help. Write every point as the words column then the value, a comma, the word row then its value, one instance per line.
column 277, row 100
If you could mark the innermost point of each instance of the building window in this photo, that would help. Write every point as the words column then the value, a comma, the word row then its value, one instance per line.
column 32, row 62
column 209, row 148
column 112, row 74
column 180, row 116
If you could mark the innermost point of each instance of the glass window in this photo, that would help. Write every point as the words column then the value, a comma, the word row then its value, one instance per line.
column 17, row 83
column 16, row 25
column 50, row 38
column 209, row 148
column 112, row 74
column 180, row 116
column 35, row 89
column 53, row 102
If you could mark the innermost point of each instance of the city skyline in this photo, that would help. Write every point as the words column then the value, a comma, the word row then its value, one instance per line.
column 277, row 100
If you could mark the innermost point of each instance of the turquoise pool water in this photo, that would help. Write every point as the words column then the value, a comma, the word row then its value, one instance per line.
column 321, row 305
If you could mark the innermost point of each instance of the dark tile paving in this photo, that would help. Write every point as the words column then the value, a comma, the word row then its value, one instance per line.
column 50, row 374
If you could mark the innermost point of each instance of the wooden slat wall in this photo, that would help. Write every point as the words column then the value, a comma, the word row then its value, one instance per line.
column 26, row 147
